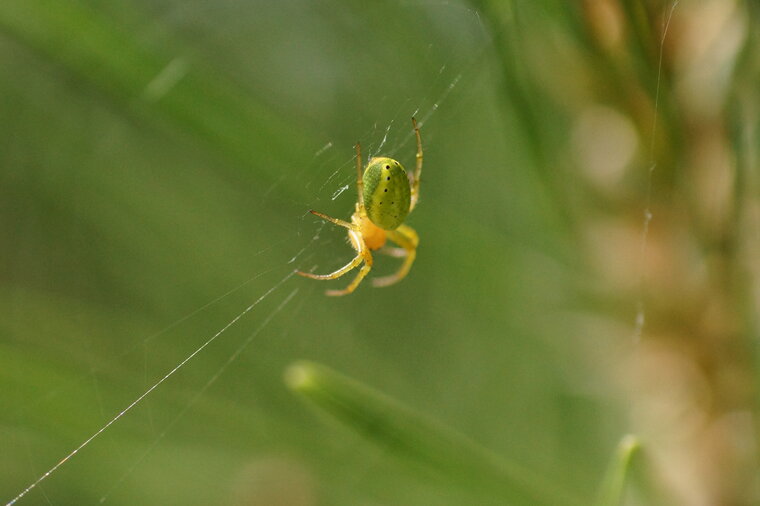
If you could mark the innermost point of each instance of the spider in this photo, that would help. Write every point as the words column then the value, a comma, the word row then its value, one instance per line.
column 385, row 199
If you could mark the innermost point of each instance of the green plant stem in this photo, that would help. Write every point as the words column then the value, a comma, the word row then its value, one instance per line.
column 613, row 485
column 743, row 122
column 521, row 99
column 420, row 440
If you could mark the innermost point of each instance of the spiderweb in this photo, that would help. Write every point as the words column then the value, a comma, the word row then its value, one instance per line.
column 163, row 384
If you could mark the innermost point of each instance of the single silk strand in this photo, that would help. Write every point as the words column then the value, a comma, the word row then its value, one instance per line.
column 144, row 394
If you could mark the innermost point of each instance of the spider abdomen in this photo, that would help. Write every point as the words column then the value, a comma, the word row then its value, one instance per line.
column 387, row 194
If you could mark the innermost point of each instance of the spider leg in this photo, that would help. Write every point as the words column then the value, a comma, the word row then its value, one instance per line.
column 338, row 222
column 418, row 169
column 392, row 252
column 359, row 178
column 407, row 238
column 362, row 255
column 334, row 275
column 358, row 279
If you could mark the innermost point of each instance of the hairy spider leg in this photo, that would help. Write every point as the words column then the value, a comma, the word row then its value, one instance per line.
column 404, row 235
column 340, row 223
column 359, row 177
column 362, row 255
column 418, row 169
column 392, row 252
column 407, row 238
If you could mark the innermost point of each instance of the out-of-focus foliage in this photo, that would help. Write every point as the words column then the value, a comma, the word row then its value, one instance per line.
column 587, row 267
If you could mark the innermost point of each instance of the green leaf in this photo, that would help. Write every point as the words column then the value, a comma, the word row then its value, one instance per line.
column 419, row 439
column 613, row 485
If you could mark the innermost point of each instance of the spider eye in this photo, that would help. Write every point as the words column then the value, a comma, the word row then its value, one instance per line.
column 387, row 166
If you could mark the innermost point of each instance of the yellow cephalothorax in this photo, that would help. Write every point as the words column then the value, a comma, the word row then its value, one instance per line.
column 385, row 200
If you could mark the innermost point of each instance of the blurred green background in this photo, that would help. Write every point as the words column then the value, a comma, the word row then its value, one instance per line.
column 587, row 266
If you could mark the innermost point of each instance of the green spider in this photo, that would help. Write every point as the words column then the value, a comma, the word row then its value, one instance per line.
column 385, row 199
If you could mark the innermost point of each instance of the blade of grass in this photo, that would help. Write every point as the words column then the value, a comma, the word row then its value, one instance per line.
column 160, row 87
column 642, row 39
column 647, row 51
column 632, row 464
column 521, row 98
column 613, row 485
column 743, row 120
column 419, row 439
